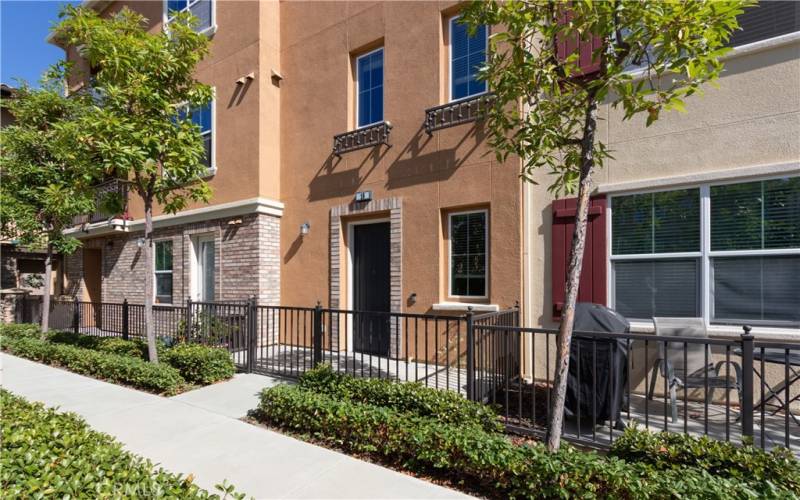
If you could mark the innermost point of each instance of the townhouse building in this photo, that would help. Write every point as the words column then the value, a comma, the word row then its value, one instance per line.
column 349, row 166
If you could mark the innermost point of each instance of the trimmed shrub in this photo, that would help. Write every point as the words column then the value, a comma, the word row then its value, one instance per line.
column 667, row 451
column 409, row 397
column 56, row 455
column 200, row 364
column 133, row 348
column 159, row 378
column 484, row 460
column 17, row 330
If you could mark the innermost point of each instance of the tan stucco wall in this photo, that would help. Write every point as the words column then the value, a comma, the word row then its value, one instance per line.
column 752, row 119
column 430, row 174
column 246, row 125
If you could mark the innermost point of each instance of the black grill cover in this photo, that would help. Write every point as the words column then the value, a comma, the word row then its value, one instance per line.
column 597, row 366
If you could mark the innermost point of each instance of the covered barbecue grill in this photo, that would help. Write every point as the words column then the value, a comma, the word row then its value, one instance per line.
column 597, row 365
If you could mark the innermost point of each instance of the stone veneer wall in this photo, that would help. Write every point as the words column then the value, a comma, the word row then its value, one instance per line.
column 247, row 260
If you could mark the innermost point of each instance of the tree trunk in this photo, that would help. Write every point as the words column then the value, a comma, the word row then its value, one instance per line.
column 564, row 338
column 48, row 280
column 149, row 277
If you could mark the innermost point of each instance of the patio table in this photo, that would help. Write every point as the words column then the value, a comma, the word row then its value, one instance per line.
column 791, row 360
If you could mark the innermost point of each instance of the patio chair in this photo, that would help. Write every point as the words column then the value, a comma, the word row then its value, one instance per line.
column 689, row 369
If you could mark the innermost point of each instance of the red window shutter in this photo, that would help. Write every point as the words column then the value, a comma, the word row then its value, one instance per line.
column 593, row 273
column 566, row 46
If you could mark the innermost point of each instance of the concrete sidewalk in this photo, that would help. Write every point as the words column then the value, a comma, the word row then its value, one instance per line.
column 199, row 433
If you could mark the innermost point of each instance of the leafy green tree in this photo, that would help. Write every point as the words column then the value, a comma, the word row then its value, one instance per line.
column 546, row 109
column 47, row 172
column 143, row 84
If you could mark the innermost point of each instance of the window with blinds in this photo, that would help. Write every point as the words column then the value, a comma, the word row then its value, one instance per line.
column 751, row 258
column 765, row 20
column 468, row 254
column 369, row 79
column 163, row 272
column 467, row 55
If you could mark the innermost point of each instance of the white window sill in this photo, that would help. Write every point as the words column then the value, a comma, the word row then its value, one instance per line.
column 730, row 331
column 464, row 307
column 210, row 172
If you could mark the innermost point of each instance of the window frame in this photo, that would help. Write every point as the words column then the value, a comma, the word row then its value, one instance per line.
column 212, row 164
column 166, row 19
column 450, row 98
column 357, row 88
column 450, row 215
column 705, row 255
column 156, row 272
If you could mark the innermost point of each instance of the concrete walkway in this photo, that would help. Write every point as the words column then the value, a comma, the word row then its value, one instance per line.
column 199, row 433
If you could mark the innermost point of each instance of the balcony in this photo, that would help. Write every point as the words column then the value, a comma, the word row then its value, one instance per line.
column 456, row 113
column 111, row 201
column 364, row 137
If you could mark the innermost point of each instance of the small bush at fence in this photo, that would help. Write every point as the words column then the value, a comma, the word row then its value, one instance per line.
column 159, row 378
column 484, row 460
column 664, row 451
column 200, row 364
column 445, row 406
column 51, row 454
column 17, row 330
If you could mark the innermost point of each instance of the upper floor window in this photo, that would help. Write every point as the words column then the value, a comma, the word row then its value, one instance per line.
column 467, row 54
column 469, row 236
column 203, row 10
column 369, row 88
column 767, row 19
column 163, row 272
column 729, row 253
column 203, row 117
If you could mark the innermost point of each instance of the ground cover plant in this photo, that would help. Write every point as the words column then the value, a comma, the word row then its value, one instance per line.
column 47, row 454
column 403, row 432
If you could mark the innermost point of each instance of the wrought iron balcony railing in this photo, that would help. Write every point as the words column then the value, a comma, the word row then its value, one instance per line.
column 364, row 137
column 456, row 113
column 104, row 200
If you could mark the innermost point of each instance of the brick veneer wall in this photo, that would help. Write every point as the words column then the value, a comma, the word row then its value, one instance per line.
column 394, row 207
column 247, row 260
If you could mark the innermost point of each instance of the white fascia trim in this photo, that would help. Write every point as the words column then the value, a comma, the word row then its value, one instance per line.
column 741, row 50
column 464, row 307
column 776, row 169
column 235, row 208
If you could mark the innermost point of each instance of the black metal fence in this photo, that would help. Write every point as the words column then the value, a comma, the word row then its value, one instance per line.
column 728, row 389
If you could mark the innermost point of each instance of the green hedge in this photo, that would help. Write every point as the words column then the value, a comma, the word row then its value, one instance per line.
column 197, row 364
column 665, row 451
column 200, row 364
column 482, row 460
column 46, row 454
column 17, row 330
column 159, row 378
column 415, row 398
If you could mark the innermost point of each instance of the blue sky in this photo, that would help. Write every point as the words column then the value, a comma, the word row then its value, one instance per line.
column 24, row 25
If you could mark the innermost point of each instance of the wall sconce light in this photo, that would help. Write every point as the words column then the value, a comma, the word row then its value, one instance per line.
column 140, row 242
column 305, row 227
column 363, row 196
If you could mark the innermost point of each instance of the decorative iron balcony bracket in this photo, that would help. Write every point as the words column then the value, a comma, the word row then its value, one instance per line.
column 457, row 112
column 364, row 137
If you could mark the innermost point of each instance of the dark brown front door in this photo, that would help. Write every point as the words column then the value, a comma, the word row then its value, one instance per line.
column 92, row 288
column 371, row 288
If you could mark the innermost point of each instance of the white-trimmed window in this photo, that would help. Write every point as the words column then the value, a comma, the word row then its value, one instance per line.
column 468, row 254
column 163, row 272
column 204, row 118
column 727, row 252
column 467, row 55
column 369, row 88
column 203, row 10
